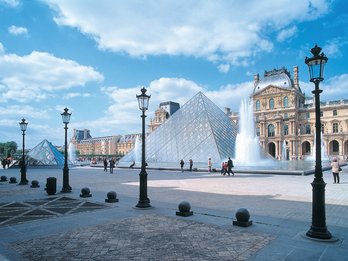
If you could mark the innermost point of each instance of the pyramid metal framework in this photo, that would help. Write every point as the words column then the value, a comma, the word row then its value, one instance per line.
column 45, row 154
column 198, row 130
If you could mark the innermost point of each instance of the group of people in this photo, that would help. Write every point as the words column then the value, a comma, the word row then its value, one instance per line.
column 226, row 167
column 111, row 165
column 5, row 162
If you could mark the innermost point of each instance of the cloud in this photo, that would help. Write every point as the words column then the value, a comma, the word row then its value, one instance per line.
column 2, row 48
column 11, row 3
column 15, row 30
column 220, row 31
column 286, row 33
column 123, row 114
column 24, row 111
column 38, row 75
column 71, row 95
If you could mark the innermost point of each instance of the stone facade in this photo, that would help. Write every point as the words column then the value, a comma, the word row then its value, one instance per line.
column 282, row 113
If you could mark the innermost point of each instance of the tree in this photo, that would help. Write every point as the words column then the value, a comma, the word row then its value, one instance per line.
column 8, row 148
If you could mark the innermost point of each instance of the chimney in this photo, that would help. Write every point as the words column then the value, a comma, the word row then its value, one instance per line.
column 296, row 84
column 256, row 79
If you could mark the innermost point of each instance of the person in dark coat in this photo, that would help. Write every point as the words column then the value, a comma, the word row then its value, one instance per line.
column 191, row 164
column 182, row 163
column 112, row 165
column 230, row 166
column 105, row 164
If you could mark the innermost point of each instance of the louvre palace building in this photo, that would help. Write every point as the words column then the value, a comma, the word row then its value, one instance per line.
column 283, row 116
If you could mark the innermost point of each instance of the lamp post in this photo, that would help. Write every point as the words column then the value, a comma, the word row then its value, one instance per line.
column 318, row 228
column 23, row 124
column 66, row 118
column 144, row 201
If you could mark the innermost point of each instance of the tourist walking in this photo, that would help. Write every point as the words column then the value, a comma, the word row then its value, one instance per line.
column 224, row 168
column 191, row 164
column 112, row 165
column 230, row 166
column 182, row 163
column 209, row 165
column 336, row 170
column 105, row 164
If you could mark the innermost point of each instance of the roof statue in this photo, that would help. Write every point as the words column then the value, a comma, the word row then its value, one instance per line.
column 45, row 154
column 199, row 130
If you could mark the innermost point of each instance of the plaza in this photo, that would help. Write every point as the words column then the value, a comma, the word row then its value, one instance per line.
column 279, row 206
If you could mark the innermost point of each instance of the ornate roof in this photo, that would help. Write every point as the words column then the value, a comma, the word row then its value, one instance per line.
column 277, row 77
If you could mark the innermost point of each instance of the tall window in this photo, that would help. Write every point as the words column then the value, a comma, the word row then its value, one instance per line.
column 308, row 129
column 335, row 127
column 286, row 102
column 271, row 103
column 286, row 129
column 257, row 105
column 271, row 129
column 258, row 131
column 308, row 115
column 334, row 112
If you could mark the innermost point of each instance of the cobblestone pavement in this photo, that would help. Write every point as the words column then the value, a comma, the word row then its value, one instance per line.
column 19, row 212
column 147, row 237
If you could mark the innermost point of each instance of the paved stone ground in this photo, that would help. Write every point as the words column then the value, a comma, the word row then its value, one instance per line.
column 280, row 207
column 147, row 237
column 26, row 211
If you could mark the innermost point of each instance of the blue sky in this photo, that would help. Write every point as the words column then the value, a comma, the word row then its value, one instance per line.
column 93, row 56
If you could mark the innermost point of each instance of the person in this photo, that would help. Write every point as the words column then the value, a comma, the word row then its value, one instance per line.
column 112, row 165
column 224, row 168
column 335, row 170
column 209, row 165
column 191, row 164
column 230, row 166
column 132, row 165
column 4, row 162
column 182, row 163
column 105, row 164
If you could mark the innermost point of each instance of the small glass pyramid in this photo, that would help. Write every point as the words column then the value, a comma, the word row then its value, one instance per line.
column 199, row 130
column 45, row 154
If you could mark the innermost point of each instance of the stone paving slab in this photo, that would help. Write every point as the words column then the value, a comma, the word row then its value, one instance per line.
column 147, row 237
column 18, row 212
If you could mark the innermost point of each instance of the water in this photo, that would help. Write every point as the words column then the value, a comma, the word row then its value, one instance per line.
column 137, row 149
column 247, row 150
column 284, row 152
column 72, row 153
column 324, row 156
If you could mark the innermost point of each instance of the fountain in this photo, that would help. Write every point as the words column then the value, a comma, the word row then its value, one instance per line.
column 324, row 156
column 137, row 149
column 248, row 151
column 72, row 153
column 284, row 151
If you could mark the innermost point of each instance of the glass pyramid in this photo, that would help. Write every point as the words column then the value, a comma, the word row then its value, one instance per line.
column 45, row 154
column 199, row 130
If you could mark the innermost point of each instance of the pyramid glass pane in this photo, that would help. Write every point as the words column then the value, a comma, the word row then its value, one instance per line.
column 45, row 154
column 198, row 130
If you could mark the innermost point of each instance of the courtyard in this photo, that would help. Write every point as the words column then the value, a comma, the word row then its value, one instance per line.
column 90, row 229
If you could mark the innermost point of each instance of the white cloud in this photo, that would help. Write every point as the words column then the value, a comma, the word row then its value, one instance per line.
column 17, row 30
column 37, row 75
column 2, row 48
column 11, row 3
column 224, row 68
column 220, row 31
column 286, row 33
column 71, row 95
column 123, row 116
column 24, row 111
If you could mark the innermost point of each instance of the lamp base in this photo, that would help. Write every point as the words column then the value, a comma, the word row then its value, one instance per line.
column 319, row 233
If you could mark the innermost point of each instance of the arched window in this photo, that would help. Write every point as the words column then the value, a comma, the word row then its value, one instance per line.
column 271, row 103
column 271, row 130
column 286, row 102
column 257, row 105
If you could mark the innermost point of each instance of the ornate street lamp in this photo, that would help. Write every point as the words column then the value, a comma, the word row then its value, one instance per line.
column 144, row 201
column 316, row 70
column 66, row 118
column 23, row 166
